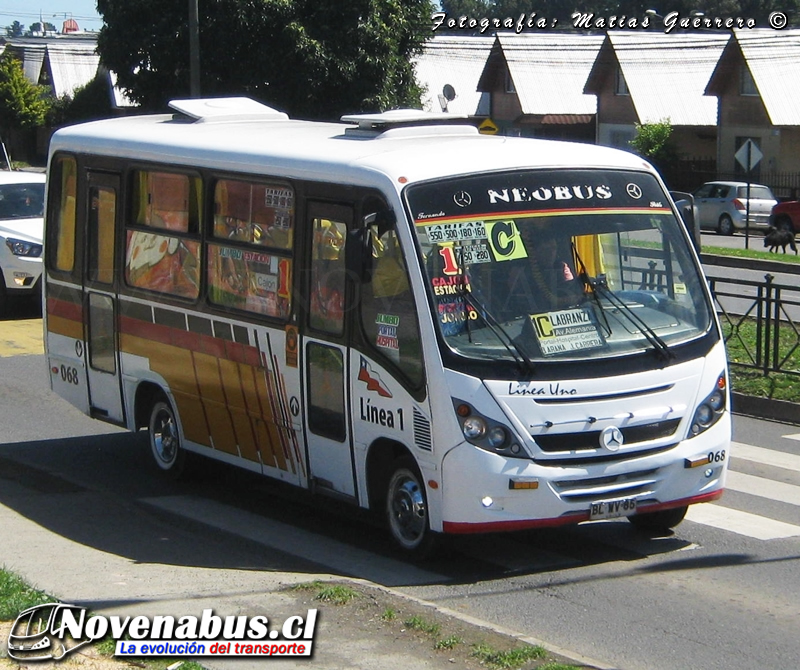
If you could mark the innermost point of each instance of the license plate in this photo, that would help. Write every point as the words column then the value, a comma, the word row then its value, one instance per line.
column 611, row 509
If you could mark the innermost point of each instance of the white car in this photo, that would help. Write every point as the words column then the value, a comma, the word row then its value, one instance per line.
column 21, row 232
column 723, row 205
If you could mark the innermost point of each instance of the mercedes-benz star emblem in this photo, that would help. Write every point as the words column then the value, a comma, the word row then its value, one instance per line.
column 462, row 199
column 634, row 191
column 611, row 438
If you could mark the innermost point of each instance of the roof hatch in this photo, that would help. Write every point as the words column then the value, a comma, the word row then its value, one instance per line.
column 370, row 125
column 204, row 110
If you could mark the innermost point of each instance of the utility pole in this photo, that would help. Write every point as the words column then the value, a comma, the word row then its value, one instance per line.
column 194, row 50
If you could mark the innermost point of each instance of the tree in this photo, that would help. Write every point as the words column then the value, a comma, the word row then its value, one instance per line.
column 312, row 58
column 16, row 29
column 654, row 142
column 23, row 105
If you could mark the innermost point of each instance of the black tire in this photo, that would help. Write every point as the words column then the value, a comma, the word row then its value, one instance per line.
column 164, row 437
column 3, row 297
column 658, row 522
column 407, row 510
column 785, row 223
column 725, row 225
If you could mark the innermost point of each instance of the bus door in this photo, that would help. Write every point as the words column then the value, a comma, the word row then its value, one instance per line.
column 100, row 318
column 326, row 357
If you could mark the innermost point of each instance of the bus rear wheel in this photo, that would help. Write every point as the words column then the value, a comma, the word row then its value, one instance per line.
column 407, row 510
column 165, row 439
column 660, row 521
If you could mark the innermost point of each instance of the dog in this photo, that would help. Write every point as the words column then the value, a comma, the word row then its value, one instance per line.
column 775, row 238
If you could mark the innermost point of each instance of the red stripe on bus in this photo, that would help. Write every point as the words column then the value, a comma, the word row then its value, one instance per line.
column 65, row 309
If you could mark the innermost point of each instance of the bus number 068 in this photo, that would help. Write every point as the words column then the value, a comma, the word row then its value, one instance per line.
column 69, row 375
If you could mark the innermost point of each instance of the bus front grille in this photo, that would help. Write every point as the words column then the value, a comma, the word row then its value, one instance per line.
column 590, row 440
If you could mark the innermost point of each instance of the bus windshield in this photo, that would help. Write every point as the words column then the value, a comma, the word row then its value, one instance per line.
column 557, row 265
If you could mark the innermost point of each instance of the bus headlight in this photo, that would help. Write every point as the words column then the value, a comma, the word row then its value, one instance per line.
column 497, row 436
column 474, row 427
column 486, row 433
column 710, row 410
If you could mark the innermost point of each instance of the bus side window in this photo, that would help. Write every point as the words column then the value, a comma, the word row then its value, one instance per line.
column 388, row 312
column 63, row 189
column 326, row 310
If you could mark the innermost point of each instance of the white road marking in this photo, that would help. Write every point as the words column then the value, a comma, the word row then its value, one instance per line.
column 742, row 523
column 779, row 459
column 796, row 436
column 763, row 488
column 331, row 553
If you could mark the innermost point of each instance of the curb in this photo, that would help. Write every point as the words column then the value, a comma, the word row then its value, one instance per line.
column 765, row 408
column 574, row 657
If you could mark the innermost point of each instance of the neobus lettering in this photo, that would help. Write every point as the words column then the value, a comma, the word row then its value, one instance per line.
column 380, row 416
column 545, row 193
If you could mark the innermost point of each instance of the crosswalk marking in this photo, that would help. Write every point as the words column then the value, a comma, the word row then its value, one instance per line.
column 779, row 459
column 796, row 436
column 763, row 488
column 742, row 523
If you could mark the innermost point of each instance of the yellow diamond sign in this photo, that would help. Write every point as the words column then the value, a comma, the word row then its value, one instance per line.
column 488, row 127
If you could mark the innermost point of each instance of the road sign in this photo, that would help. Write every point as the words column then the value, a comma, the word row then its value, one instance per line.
column 487, row 127
column 749, row 155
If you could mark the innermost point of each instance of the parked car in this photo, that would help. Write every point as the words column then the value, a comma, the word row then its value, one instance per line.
column 21, row 231
column 786, row 216
column 722, row 205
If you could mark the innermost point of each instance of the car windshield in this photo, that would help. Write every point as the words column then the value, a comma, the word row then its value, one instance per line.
column 557, row 265
column 21, row 201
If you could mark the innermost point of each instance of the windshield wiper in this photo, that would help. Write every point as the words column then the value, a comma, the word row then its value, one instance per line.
column 660, row 347
column 599, row 286
column 496, row 327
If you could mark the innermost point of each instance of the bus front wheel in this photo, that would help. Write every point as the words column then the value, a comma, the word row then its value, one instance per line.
column 165, row 439
column 660, row 521
column 407, row 509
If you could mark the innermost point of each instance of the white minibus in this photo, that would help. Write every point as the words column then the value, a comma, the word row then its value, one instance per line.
column 466, row 333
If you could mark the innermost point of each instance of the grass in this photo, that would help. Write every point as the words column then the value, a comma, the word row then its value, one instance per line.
column 740, row 341
column 508, row 660
column 755, row 240
column 16, row 595
column 423, row 625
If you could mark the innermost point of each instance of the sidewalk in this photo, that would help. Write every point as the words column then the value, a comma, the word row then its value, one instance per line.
column 369, row 633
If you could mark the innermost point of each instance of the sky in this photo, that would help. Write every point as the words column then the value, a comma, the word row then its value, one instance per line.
column 53, row 11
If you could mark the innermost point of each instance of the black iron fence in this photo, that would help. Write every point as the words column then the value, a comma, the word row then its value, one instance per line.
column 760, row 323
column 690, row 173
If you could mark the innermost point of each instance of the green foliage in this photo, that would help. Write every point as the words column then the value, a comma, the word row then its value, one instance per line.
column 22, row 104
column 90, row 102
column 313, row 59
column 16, row 29
column 654, row 142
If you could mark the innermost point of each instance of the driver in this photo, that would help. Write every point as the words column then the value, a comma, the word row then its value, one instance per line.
column 545, row 280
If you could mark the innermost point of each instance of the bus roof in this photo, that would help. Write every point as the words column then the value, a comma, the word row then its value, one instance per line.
column 268, row 142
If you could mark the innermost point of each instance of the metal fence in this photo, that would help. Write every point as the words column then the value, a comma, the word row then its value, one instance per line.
column 760, row 322
column 690, row 172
